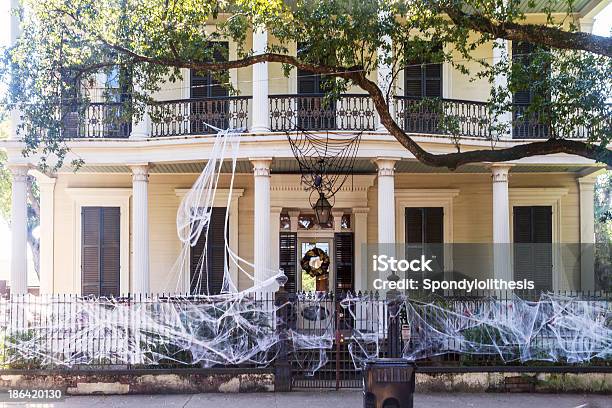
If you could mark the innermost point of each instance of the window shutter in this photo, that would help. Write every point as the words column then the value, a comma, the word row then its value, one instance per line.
column 210, row 259
column 344, row 253
column 90, row 251
column 100, row 249
column 433, row 225
column 288, row 259
column 110, row 251
column 533, row 245
column 414, row 225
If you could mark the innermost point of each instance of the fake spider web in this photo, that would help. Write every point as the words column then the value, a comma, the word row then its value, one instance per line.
column 242, row 327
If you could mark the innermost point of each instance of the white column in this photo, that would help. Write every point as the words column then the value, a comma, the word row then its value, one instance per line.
column 140, row 228
column 587, row 233
column 386, row 199
column 586, row 24
column 260, row 83
column 275, row 213
column 501, row 223
column 46, row 186
column 19, row 234
column 141, row 128
column 337, row 216
column 501, row 53
column 261, row 235
column 385, row 77
column 360, row 231
column 15, row 33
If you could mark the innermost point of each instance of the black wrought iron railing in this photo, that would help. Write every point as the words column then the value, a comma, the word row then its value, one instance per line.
column 315, row 112
column 194, row 116
column 97, row 120
column 443, row 116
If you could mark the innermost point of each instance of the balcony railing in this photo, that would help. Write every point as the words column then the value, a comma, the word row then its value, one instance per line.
column 98, row 120
column 314, row 112
column 442, row 116
column 192, row 116
column 350, row 112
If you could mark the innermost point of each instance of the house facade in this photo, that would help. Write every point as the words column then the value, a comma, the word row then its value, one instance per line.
column 110, row 227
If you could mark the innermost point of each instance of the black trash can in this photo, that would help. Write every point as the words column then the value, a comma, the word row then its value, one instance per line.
column 388, row 383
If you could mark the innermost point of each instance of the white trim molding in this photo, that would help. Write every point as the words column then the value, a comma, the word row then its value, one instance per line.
column 425, row 197
column 101, row 197
column 428, row 197
column 220, row 200
column 549, row 196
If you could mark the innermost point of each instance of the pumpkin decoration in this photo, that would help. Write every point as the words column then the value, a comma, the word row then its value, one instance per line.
column 315, row 262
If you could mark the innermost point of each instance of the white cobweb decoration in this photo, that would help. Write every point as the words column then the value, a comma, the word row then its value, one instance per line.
column 238, row 327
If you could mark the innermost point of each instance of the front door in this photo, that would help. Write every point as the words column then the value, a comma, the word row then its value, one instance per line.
column 308, row 282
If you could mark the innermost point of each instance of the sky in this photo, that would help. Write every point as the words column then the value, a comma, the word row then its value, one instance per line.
column 602, row 26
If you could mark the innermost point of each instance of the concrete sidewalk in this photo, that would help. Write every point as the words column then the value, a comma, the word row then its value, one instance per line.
column 334, row 399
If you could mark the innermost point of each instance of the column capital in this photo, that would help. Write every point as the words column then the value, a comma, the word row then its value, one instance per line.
column 500, row 172
column 360, row 210
column 261, row 166
column 140, row 172
column 19, row 172
column 276, row 210
column 386, row 165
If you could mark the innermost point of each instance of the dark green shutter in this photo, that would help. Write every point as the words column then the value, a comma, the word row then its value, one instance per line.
column 425, row 236
column 344, row 253
column 210, row 259
column 100, row 251
column 288, row 259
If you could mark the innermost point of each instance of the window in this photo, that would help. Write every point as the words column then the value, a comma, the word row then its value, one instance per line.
column 313, row 113
column 423, row 77
column 209, row 258
column 204, row 86
column 100, row 251
column 425, row 237
column 528, row 124
column 533, row 245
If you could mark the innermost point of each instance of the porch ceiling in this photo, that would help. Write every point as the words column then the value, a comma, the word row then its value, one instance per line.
column 362, row 166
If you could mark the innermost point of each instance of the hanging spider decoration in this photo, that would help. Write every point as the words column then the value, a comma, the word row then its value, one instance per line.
column 326, row 161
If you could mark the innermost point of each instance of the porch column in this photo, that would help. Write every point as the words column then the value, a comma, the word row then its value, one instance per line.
column 46, row 185
column 19, row 232
column 501, row 53
column 15, row 30
column 501, row 223
column 260, row 83
column 141, row 128
column 275, row 213
column 140, row 228
column 261, row 235
column 385, row 75
column 386, row 199
column 587, row 233
column 360, row 231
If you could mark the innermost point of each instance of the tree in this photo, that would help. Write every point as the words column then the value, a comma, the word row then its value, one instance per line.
column 33, row 202
column 66, row 43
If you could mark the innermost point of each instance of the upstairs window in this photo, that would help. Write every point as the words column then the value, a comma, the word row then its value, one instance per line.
column 423, row 76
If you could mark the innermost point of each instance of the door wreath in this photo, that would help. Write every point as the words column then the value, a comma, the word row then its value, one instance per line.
column 315, row 262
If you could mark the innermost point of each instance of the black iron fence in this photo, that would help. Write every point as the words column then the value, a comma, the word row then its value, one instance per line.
column 97, row 120
column 348, row 112
column 316, row 112
column 312, row 340
column 192, row 116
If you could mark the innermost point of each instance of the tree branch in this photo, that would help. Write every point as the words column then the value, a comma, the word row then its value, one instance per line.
column 533, row 33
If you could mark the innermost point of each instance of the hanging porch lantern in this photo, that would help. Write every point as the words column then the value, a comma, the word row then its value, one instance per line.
column 322, row 209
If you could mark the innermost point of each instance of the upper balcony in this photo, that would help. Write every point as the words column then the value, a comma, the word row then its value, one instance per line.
column 290, row 112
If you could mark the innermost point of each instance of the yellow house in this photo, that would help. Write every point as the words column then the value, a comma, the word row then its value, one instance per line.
column 110, row 227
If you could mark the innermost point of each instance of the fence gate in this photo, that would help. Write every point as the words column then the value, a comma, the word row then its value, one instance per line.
column 329, row 363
